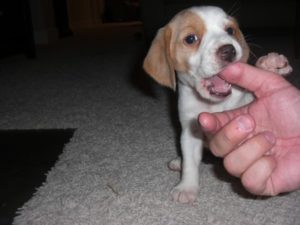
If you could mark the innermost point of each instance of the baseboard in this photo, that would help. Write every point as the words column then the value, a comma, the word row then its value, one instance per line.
column 85, row 24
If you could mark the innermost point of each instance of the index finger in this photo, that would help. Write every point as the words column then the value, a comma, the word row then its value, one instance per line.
column 231, row 135
column 258, row 81
column 211, row 123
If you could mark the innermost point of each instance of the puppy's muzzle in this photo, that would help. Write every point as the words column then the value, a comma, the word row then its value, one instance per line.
column 226, row 53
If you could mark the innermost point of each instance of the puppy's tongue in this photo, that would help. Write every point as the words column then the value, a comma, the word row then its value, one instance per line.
column 217, row 86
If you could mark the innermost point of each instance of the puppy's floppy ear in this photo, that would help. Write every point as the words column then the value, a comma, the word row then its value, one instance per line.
column 241, row 39
column 158, row 62
column 244, row 45
column 246, row 49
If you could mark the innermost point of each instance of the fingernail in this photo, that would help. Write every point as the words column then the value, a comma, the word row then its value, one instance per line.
column 244, row 124
column 270, row 137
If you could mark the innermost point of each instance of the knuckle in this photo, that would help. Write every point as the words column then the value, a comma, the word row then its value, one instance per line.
column 250, row 182
column 216, row 150
column 231, row 166
column 251, row 185
column 220, row 145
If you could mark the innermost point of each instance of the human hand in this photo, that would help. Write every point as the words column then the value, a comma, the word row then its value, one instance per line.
column 260, row 142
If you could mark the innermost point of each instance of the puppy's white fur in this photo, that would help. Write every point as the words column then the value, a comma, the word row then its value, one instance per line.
column 196, row 61
column 193, row 65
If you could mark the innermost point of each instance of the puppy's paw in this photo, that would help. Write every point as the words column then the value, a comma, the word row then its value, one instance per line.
column 275, row 63
column 175, row 164
column 184, row 193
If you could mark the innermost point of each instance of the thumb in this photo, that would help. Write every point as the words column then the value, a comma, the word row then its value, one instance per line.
column 258, row 81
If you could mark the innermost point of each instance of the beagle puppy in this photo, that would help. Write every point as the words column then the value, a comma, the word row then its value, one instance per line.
column 196, row 45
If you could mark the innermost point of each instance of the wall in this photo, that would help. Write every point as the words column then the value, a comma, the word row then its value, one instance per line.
column 82, row 14
column 42, row 14
column 85, row 13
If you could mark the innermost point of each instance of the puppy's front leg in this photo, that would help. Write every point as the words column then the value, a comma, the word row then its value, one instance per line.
column 191, row 146
column 276, row 63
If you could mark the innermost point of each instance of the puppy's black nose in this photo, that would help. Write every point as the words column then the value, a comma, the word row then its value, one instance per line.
column 226, row 53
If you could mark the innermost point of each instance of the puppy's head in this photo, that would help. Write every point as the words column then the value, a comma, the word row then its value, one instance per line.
column 197, row 43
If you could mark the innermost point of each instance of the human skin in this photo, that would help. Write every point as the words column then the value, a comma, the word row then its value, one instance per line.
column 260, row 142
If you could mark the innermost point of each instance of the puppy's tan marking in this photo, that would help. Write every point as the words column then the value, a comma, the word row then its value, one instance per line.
column 240, row 38
column 169, row 52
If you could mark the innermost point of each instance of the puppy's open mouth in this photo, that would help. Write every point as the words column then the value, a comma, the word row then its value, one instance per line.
column 217, row 86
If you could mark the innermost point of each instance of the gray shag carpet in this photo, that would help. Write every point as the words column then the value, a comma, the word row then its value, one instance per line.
column 114, row 169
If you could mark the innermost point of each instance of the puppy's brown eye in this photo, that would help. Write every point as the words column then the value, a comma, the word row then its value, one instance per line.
column 191, row 39
column 230, row 31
